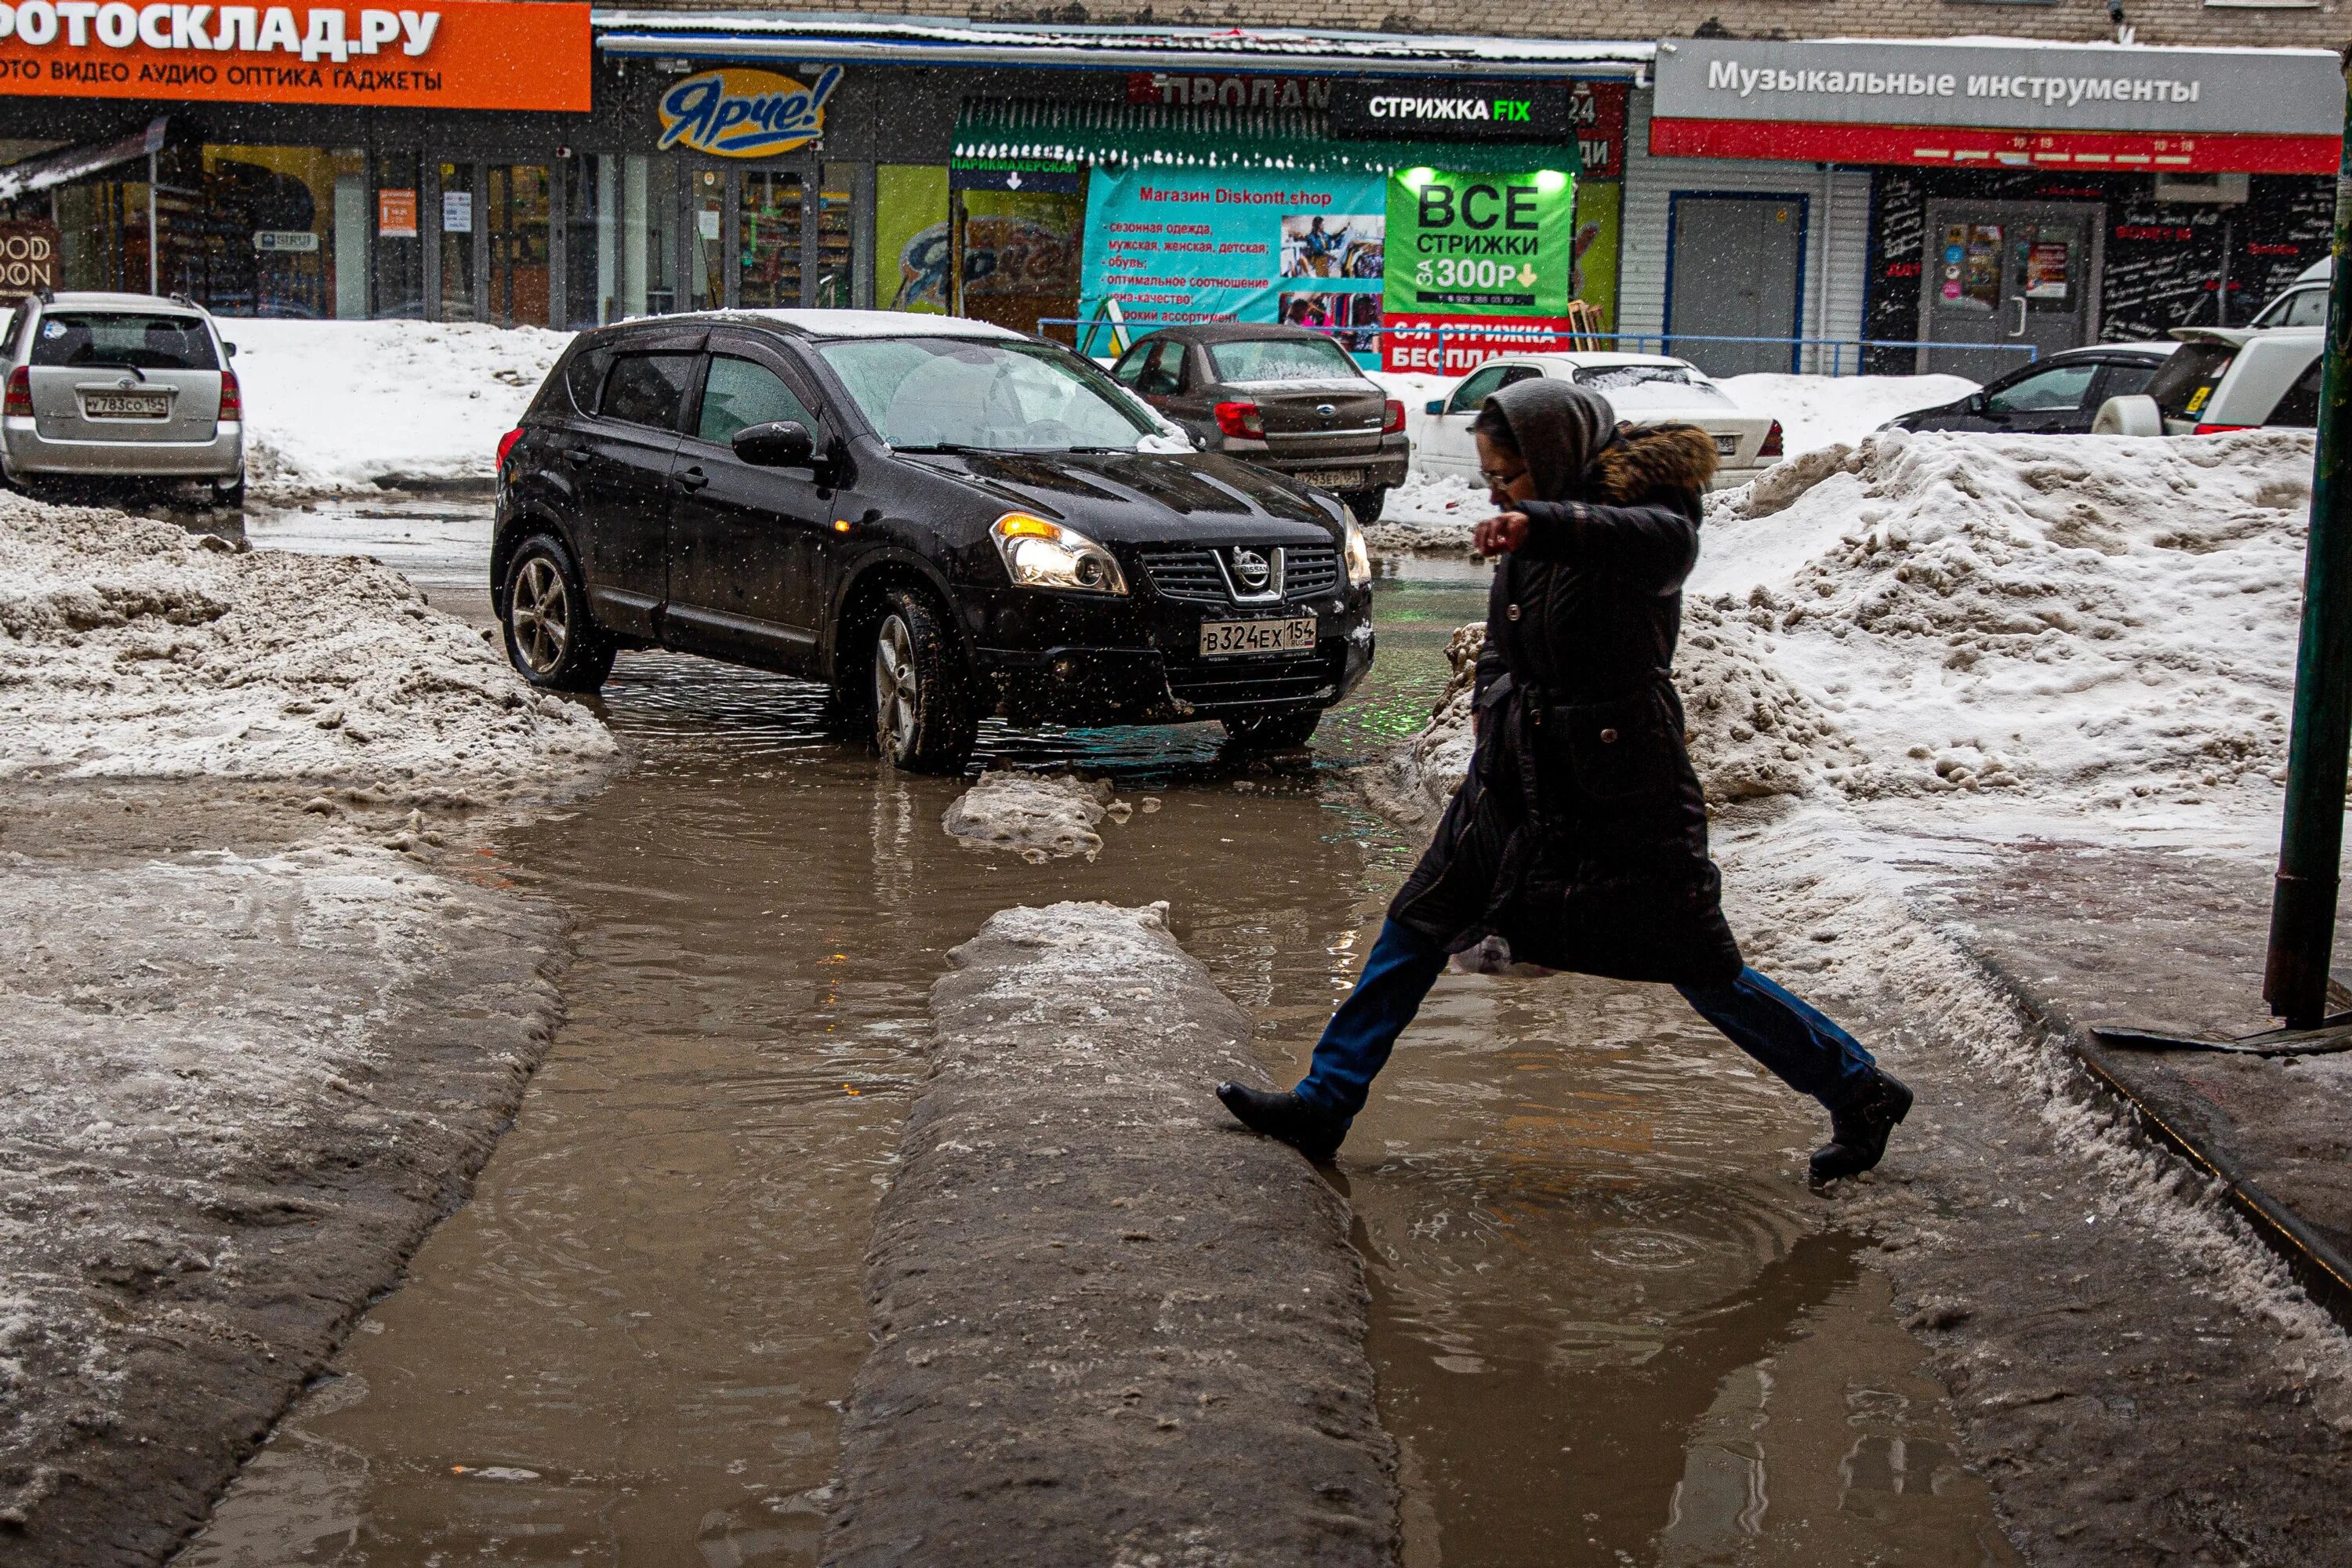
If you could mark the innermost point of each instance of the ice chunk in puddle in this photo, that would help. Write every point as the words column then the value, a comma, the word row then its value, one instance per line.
column 1036, row 817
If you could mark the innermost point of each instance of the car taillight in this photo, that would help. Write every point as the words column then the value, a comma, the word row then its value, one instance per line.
column 506, row 445
column 1241, row 420
column 20, row 394
column 1772, row 447
column 1391, row 417
column 232, row 397
column 2221, row 429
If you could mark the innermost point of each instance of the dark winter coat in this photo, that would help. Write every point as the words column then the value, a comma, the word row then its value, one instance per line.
column 1580, row 835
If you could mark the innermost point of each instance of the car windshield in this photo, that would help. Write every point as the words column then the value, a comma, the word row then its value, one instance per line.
column 1660, row 385
column 985, row 394
column 1283, row 359
column 149, row 342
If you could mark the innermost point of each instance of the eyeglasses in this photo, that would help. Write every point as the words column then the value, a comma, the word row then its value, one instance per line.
column 1496, row 480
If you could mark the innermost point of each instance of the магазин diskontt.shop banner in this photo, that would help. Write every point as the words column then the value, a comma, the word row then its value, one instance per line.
column 1239, row 245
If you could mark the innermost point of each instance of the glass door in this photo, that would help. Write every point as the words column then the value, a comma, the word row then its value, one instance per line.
column 515, row 238
column 767, row 240
column 2015, row 273
column 459, row 233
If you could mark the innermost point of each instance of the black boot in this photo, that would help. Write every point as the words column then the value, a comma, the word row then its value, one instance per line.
column 1858, row 1128
column 1313, row 1133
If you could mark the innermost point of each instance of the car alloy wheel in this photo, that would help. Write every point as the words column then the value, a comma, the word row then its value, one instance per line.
column 539, row 613
column 897, row 690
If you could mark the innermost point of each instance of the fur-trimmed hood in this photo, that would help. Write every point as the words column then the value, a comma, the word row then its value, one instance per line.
column 1647, row 458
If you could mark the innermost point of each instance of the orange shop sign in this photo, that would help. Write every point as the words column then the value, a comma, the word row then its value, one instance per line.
column 462, row 54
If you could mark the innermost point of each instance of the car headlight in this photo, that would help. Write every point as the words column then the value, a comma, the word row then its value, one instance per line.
column 1358, row 554
column 1042, row 554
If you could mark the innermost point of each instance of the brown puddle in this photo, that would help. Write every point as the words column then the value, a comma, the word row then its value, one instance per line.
column 1608, row 1326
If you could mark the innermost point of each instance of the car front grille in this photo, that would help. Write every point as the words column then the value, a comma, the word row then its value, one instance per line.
column 1309, row 571
column 1191, row 574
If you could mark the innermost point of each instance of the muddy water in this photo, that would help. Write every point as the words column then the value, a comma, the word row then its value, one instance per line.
column 1608, row 1324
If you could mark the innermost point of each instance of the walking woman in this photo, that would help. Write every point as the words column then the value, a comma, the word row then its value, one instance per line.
column 1579, row 836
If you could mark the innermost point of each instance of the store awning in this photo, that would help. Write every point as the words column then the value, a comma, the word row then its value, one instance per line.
column 1053, row 136
column 47, row 170
column 875, row 41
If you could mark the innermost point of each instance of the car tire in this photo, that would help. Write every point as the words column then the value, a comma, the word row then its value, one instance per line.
column 1282, row 732
column 543, row 611
column 923, row 720
column 1366, row 504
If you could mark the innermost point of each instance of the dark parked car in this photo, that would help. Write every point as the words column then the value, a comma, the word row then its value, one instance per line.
column 2059, row 395
column 941, row 519
column 1285, row 399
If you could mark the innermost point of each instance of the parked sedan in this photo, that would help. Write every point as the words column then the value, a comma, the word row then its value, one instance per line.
column 2060, row 395
column 120, row 386
column 1285, row 399
column 1644, row 389
column 941, row 519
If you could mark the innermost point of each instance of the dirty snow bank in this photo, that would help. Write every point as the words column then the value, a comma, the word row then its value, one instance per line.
column 1036, row 817
column 131, row 650
column 1429, row 511
column 342, row 404
column 1818, row 410
column 2100, row 624
column 238, row 1090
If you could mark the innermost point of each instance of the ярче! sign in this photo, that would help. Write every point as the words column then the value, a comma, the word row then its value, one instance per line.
column 736, row 112
column 1414, row 111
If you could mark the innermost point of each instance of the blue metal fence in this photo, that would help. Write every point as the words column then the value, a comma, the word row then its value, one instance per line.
column 1476, row 345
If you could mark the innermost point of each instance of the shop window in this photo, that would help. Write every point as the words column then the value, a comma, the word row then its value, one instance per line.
column 265, row 231
column 835, row 239
column 912, row 242
column 705, row 240
column 768, row 242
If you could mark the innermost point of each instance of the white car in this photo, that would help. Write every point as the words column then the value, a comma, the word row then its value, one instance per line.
column 2225, row 378
column 1644, row 389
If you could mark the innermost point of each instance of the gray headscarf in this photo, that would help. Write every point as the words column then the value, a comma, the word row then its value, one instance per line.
column 1559, row 427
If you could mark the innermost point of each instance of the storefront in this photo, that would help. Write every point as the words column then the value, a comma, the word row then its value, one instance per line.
column 2009, row 194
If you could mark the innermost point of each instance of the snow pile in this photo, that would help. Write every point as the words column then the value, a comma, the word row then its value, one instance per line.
column 1419, row 777
column 1822, row 410
column 2093, row 621
column 1036, row 817
column 337, row 404
column 1429, row 511
column 131, row 648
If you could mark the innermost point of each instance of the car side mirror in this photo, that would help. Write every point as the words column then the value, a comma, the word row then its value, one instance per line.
column 776, row 444
column 1435, row 406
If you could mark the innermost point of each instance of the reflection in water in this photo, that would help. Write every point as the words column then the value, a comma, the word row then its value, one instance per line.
column 1607, row 1323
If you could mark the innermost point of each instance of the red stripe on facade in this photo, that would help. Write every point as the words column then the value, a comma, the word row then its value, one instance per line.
column 1947, row 147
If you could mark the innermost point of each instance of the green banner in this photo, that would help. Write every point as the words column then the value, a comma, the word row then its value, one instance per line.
column 1480, row 244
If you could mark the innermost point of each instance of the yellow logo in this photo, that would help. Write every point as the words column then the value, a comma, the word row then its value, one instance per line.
column 738, row 113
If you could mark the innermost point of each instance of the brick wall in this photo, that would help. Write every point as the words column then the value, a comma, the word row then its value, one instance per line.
column 2158, row 21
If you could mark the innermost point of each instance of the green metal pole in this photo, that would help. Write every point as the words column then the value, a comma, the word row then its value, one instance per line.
column 2311, row 840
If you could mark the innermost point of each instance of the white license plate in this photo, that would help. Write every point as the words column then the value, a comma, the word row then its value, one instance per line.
column 1339, row 478
column 1295, row 635
column 124, row 405
column 1726, row 446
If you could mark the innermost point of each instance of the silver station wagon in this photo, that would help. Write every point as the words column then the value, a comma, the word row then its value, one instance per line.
column 121, row 387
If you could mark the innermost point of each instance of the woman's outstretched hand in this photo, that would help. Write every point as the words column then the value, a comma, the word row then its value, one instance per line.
column 1499, row 535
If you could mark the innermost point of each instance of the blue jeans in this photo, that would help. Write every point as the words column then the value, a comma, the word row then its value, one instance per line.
column 1796, row 1044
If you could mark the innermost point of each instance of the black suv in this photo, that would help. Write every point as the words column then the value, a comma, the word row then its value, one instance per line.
column 941, row 519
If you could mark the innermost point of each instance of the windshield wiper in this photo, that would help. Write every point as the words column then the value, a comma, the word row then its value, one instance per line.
column 954, row 447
